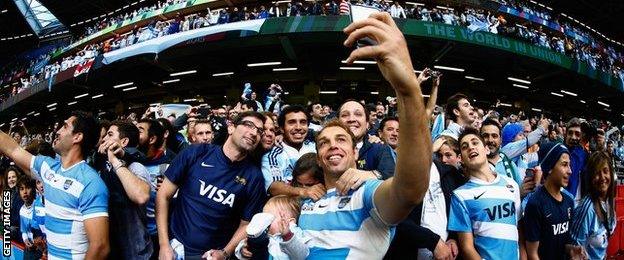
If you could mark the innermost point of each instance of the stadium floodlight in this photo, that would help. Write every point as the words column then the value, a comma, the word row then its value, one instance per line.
column 427, row 96
column 4, row 11
column 474, row 78
column 72, row 103
column 52, row 109
column 97, row 96
column 14, row 119
column 556, row 94
column 270, row 63
column 352, row 68
column 583, row 101
column 284, row 69
column 520, row 86
column 505, row 104
column 123, row 85
column 190, row 100
column 31, row 113
column 222, row 74
column 374, row 92
column 367, row 62
column 448, row 68
column 183, row 73
column 170, row 81
column 569, row 93
column 37, row 114
column 536, row 109
column 128, row 89
column 603, row 103
column 154, row 104
column 51, row 105
column 81, row 96
column 519, row 80
column 328, row 92
column 286, row 93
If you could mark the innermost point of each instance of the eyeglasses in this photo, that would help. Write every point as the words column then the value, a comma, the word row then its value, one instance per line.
column 252, row 126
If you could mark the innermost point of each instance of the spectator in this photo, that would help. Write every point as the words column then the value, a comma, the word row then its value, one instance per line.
column 490, row 198
column 548, row 210
column 277, row 164
column 594, row 219
column 88, row 226
column 389, row 133
column 396, row 10
column 307, row 172
column 203, row 132
column 448, row 152
column 371, row 156
column 129, row 190
column 578, row 156
column 29, row 229
column 315, row 110
column 459, row 111
column 212, row 224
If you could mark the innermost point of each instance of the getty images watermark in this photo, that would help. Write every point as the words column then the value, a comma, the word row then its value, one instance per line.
column 6, row 221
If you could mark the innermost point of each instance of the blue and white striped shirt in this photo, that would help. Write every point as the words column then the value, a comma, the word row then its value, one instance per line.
column 72, row 196
column 589, row 231
column 279, row 163
column 490, row 211
column 346, row 227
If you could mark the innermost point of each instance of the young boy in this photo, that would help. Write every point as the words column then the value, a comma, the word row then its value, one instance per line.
column 28, row 227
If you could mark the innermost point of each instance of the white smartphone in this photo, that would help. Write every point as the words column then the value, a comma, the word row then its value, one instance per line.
column 361, row 12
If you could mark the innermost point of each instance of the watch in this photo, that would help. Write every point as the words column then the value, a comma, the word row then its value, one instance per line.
column 121, row 163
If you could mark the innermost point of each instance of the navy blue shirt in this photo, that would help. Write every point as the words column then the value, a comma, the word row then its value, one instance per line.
column 214, row 195
column 547, row 221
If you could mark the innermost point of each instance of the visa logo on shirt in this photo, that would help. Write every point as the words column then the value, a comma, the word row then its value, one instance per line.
column 501, row 211
column 560, row 228
column 216, row 194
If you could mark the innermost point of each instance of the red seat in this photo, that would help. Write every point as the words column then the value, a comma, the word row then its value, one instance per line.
column 616, row 241
column 620, row 191
column 619, row 207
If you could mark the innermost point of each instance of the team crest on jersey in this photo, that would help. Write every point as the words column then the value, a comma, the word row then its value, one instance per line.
column 510, row 187
column 49, row 177
column 240, row 180
column 343, row 202
column 67, row 184
column 307, row 206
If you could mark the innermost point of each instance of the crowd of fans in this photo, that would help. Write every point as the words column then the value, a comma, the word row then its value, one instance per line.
column 264, row 178
column 598, row 55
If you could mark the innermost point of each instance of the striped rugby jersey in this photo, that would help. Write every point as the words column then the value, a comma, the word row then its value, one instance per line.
column 279, row 162
column 72, row 195
column 346, row 227
column 490, row 211
column 589, row 231
column 39, row 213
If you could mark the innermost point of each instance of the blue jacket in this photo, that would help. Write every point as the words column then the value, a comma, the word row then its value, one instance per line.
column 376, row 157
column 578, row 157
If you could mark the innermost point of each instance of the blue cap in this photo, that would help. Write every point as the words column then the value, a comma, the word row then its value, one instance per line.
column 510, row 131
column 549, row 153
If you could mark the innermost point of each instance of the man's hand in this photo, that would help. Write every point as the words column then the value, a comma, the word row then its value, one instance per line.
column 214, row 254
column 373, row 139
column 352, row 179
column 442, row 251
column 544, row 123
column 28, row 243
column 391, row 52
column 452, row 244
column 424, row 75
column 245, row 250
column 315, row 192
column 577, row 252
column 528, row 184
column 166, row 252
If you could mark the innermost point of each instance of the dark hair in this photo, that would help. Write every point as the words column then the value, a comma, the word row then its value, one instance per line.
column 40, row 147
column 366, row 113
column 28, row 182
column 281, row 119
column 594, row 162
column 307, row 162
column 383, row 122
column 469, row 130
column 127, row 130
column 491, row 122
column 310, row 107
column 452, row 103
column 170, row 142
column 104, row 124
column 155, row 129
column 254, row 114
column 250, row 104
column 574, row 122
column 336, row 123
column 85, row 124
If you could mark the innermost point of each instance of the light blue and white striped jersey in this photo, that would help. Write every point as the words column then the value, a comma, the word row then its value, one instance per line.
column 39, row 213
column 346, row 227
column 588, row 231
column 72, row 196
column 26, row 222
column 279, row 162
column 490, row 211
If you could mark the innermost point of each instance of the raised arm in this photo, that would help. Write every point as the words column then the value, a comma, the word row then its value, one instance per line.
column 163, row 198
column 396, row 196
column 11, row 149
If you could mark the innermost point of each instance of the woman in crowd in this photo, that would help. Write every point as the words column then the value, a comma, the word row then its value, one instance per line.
column 594, row 219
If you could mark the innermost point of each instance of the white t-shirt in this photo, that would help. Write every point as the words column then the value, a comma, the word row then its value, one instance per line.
column 433, row 215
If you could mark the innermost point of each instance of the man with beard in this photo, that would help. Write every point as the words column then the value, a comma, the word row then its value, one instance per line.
column 219, row 190
column 277, row 164
column 80, row 227
column 578, row 156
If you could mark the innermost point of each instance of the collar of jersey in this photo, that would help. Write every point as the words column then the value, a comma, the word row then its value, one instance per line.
column 70, row 167
column 482, row 182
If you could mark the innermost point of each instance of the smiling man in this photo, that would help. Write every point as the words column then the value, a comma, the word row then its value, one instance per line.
column 219, row 190
column 358, row 224
column 279, row 162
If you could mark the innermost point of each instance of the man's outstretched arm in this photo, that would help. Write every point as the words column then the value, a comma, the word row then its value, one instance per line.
column 11, row 149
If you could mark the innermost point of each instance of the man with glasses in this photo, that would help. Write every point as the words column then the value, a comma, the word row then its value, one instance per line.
column 219, row 190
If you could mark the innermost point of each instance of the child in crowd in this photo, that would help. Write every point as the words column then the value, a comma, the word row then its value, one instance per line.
column 307, row 172
column 39, row 219
column 286, row 239
column 28, row 228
